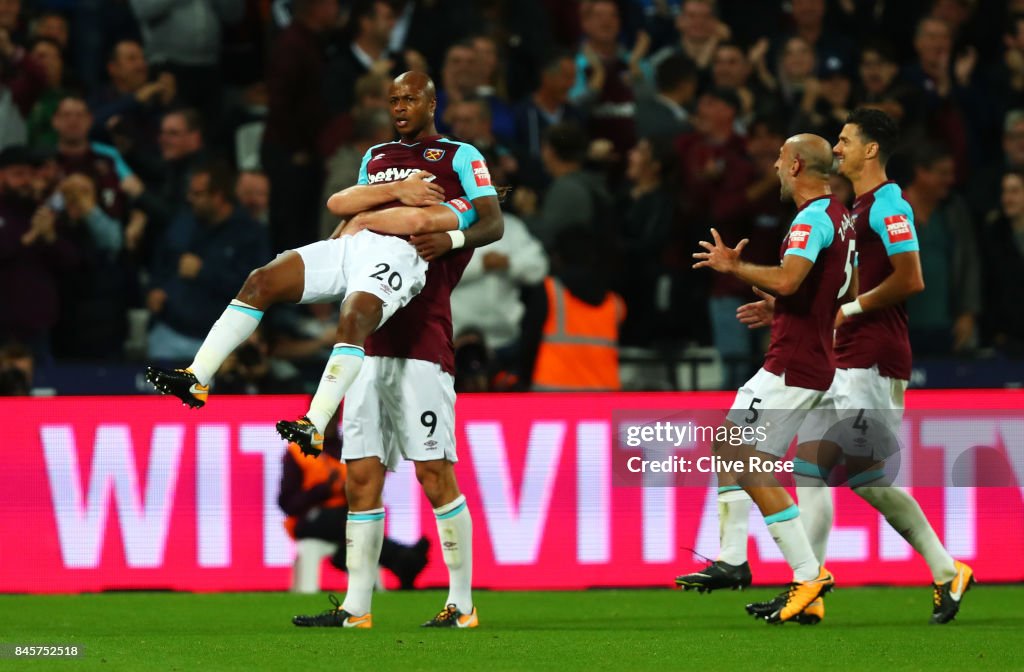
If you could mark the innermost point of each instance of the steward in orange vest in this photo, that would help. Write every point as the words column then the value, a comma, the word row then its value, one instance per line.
column 571, row 327
column 312, row 495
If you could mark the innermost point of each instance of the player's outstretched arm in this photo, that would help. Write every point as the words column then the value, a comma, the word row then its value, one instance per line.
column 417, row 191
column 406, row 220
column 782, row 280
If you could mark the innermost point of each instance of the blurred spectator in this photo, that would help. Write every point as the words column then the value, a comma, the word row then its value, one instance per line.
column 796, row 69
column 252, row 190
column 1003, row 251
column 11, row 21
column 461, row 80
column 881, row 87
column 420, row 23
column 521, row 35
column 184, row 39
column 699, row 34
column 489, row 61
column 128, row 110
column 473, row 362
column 605, row 76
column 53, row 26
column 488, row 296
column 471, row 122
column 548, row 105
column 202, row 261
column 644, row 219
column 371, row 127
column 50, row 57
column 366, row 52
column 312, row 495
column 986, row 184
column 75, row 154
column 944, row 86
column 664, row 114
column 181, row 150
column 571, row 325
column 732, row 68
column 296, row 115
column 33, row 255
column 826, row 102
column 577, row 197
column 249, row 369
column 22, row 82
column 16, row 370
column 808, row 17
column 943, row 316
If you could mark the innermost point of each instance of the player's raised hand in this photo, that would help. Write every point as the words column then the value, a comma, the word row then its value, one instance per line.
column 719, row 256
column 430, row 246
column 418, row 190
column 757, row 314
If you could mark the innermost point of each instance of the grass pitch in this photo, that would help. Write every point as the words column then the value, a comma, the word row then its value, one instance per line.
column 622, row 630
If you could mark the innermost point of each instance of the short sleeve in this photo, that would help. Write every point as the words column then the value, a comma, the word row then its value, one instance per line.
column 894, row 224
column 809, row 234
column 363, row 178
column 474, row 176
column 464, row 210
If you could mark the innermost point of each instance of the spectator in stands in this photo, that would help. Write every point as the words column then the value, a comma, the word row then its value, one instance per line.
column 577, row 197
column 571, row 325
column 986, row 184
column 461, row 80
column 128, row 110
column 249, row 369
column 471, row 122
column 50, row 57
column 826, row 101
column 665, row 113
column 492, row 71
column 1003, row 250
column 51, row 25
column 488, row 296
column 296, row 115
column 644, row 219
column 22, row 82
column 11, row 22
column 699, row 34
column 33, row 255
column 732, row 68
column 366, row 52
column 181, row 151
column 371, row 127
column 184, row 39
column 797, row 65
column 312, row 495
column 75, row 154
column 420, row 23
column 944, row 315
column 881, row 86
column 252, row 190
column 202, row 261
column 17, row 367
column 809, row 25
column 548, row 104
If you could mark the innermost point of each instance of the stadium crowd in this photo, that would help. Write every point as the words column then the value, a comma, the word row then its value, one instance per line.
column 154, row 152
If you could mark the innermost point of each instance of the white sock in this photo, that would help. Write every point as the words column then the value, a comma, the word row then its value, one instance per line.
column 788, row 532
column 733, row 522
column 455, row 530
column 906, row 517
column 364, row 536
column 342, row 368
column 816, row 512
column 236, row 324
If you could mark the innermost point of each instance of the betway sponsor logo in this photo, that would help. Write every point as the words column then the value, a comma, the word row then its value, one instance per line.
column 391, row 175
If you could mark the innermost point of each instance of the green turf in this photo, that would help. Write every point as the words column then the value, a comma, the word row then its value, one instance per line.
column 866, row 629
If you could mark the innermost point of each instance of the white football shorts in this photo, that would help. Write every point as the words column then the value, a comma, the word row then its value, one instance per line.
column 766, row 402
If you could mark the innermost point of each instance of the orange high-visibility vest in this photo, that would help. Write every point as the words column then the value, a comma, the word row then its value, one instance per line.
column 317, row 470
column 579, row 347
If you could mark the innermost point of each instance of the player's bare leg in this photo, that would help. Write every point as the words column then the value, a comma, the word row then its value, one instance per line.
column 364, row 536
column 282, row 280
column 361, row 314
column 455, row 530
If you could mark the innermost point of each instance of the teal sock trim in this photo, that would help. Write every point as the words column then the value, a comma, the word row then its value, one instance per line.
column 728, row 488
column 786, row 514
column 251, row 312
column 348, row 350
column 805, row 468
column 865, row 477
column 365, row 517
column 451, row 514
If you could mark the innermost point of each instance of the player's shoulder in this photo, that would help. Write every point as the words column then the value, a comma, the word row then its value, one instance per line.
column 889, row 198
column 817, row 211
column 460, row 146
